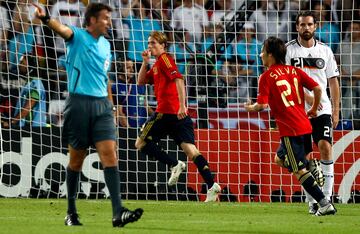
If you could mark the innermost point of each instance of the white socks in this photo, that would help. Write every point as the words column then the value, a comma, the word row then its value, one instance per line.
column 327, row 167
column 328, row 170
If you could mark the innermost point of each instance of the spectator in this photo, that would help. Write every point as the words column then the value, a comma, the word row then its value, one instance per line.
column 210, row 34
column 247, row 50
column 273, row 18
column 237, row 89
column 129, row 98
column 120, row 30
column 225, row 12
column 140, row 26
column 349, row 55
column 178, row 50
column 24, row 39
column 31, row 106
column 4, row 26
column 326, row 31
column 192, row 17
column 71, row 13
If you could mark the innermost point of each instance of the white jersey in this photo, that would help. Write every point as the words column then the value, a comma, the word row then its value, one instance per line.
column 192, row 19
column 319, row 63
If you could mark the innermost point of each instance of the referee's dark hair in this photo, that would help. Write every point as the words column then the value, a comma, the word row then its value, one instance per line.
column 93, row 9
column 305, row 14
column 277, row 48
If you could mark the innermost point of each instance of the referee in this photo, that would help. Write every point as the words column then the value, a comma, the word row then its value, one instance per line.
column 88, row 115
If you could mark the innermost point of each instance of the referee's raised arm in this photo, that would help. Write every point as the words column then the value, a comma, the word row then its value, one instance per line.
column 61, row 29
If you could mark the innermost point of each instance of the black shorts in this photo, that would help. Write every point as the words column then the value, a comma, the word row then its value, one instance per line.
column 87, row 120
column 322, row 128
column 293, row 151
column 161, row 125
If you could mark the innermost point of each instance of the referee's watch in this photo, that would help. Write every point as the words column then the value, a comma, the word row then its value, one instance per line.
column 114, row 108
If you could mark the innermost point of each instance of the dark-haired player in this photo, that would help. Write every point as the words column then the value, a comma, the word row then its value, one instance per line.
column 282, row 88
column 318, row 61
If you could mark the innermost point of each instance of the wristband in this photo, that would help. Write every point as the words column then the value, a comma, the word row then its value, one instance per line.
column 114, row 108
column 45, row 19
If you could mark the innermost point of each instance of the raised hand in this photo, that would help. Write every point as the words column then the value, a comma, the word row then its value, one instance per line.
column 146, row 55
column 39, row 12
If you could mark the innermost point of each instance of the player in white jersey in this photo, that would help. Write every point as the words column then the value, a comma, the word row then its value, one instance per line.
column 318, row 61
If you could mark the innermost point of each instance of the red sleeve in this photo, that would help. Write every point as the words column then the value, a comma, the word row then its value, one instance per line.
column 306, row 80
column 263, row 95
column 150, row 76
column 169, row 67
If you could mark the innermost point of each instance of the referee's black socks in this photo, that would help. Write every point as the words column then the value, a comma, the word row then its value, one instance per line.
column 204, row 170
column 112, row 180
column 309, row 184
column 154, row 150
column 72, row 181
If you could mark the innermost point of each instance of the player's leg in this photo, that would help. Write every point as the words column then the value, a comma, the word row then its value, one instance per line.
column 327, row 166
column 103, row 135
column 312, row 202
column 203, row 167
column 183, row 134
column 322, row 134
column 293, row 151
column 151, row 132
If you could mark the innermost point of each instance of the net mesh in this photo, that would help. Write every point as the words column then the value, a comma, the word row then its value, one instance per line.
column 216, row 46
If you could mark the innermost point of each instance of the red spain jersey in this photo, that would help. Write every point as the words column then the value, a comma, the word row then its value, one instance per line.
column 163, row 74
column 282, row 87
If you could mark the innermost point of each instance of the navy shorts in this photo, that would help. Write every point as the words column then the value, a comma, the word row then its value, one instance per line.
column 159, row 125
column 87, row 120
column 322, row 128
column 293, row 151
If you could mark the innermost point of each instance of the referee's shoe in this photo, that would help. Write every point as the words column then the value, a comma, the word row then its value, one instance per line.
column 127, row 216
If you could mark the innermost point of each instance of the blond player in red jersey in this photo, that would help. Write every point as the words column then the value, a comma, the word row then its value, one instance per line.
column 281, row 88
column 171, row 117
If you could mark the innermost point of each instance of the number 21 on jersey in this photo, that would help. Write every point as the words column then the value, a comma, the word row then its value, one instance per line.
column 286, row 93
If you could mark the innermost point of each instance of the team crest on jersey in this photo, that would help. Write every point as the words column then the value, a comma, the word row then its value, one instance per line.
column 155, row 70
column 320, row 63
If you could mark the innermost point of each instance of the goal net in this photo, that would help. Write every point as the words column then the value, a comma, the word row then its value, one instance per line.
column 216, row 46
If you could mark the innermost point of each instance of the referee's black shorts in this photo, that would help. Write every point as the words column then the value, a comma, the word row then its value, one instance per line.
column 293, row 150
column 87, row 120
column 161, row 125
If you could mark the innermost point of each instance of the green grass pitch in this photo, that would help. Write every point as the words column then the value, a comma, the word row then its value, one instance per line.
column 47, row 216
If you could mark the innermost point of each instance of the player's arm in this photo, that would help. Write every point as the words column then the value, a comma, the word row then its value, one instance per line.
column 25, row 110
column 180, row 87
column 335, row 99
column 61, row 29
column 262, row 99
column 142, row 79
column 122, row 119
column 312, row 112
column 256, row 107
column 110, row 96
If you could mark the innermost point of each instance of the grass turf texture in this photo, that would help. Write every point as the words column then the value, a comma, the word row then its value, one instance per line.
column 47, row 216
